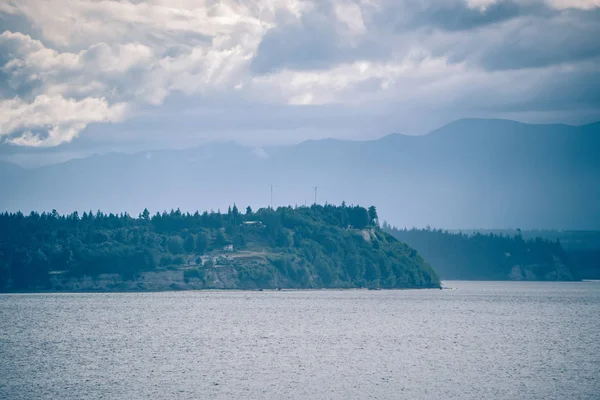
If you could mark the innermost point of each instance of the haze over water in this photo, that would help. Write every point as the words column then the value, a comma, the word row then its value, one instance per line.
column 501, row 340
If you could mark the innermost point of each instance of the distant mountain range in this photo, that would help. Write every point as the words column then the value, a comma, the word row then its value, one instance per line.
column 472, row 173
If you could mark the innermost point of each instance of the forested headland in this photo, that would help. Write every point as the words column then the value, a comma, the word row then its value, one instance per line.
column 290, row 247
column 491, row 256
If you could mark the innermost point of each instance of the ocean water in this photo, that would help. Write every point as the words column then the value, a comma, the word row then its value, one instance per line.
column 492, row 340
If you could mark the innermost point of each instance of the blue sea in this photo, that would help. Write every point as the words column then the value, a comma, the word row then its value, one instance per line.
column 474, row 340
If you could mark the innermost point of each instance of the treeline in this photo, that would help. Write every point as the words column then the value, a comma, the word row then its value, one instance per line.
column 582, row 247
column 317, row 246
column 490, row 256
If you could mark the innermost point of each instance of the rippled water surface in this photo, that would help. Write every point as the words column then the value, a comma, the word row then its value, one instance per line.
column 479, row 340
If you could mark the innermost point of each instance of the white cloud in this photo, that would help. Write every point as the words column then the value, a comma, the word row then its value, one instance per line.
column 130, row 53
column 62, row 118
column 481, row 5
column 82, row 23
column 360, row 82
column 350, row 14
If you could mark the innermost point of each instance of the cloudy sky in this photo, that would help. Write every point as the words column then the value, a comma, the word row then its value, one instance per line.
column 79, row 76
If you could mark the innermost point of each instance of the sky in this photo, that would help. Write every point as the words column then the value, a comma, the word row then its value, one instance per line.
column 84, row 76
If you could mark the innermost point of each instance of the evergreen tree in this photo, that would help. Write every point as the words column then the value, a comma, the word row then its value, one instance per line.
column 189, row 243
column 373, row 215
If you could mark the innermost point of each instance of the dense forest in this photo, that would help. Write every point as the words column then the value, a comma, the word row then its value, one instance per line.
column 478, row 256
column 582, row 247
column 301, row 247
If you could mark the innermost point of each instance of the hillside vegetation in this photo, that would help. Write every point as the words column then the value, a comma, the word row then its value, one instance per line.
column 304, row 247
column 490, row 256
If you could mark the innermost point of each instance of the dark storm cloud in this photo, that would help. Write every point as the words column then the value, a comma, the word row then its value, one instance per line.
column 310, row 43
column 457, row 16
column 569, row 37
column 504, row 35
column 315, row 41
column 16, row 23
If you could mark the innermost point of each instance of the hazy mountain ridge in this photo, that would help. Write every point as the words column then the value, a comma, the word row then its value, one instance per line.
column 475, row 172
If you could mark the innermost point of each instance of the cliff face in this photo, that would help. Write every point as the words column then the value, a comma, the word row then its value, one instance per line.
column 554, row 270
column 217, row 278
column 241, row 270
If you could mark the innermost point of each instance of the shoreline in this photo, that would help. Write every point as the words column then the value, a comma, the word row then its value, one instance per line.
column 443, row 287
column 51, row 291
